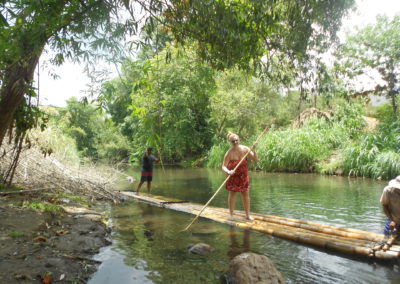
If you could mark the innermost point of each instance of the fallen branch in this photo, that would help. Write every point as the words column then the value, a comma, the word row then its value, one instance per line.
column 81, row 258
column 36, row 171
column 20, row 191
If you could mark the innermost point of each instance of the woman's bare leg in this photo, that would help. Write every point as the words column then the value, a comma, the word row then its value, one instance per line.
column 231, row 201
column 246, row 204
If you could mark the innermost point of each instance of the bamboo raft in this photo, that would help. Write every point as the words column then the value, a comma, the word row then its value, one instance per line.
column 344, row 240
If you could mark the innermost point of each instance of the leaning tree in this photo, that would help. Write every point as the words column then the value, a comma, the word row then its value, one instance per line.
column 229, row 33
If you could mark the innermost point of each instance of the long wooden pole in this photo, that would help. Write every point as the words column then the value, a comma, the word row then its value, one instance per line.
column 227, row 178
column 159, row 155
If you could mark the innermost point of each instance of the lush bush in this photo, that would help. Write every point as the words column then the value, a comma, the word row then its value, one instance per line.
column 81, row 131
column 348, row 119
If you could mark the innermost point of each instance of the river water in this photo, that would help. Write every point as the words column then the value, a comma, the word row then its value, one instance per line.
column 148, row 246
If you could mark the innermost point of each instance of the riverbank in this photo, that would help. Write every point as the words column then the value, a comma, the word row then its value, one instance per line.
column 47, row 239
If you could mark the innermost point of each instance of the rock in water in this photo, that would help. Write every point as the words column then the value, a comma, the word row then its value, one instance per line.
column 252, row 268
column 201, row 249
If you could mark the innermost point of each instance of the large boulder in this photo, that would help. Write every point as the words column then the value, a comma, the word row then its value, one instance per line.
column 249, row 268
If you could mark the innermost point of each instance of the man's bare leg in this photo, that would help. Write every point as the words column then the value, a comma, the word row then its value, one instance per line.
column 148, row 186
column 138, row 187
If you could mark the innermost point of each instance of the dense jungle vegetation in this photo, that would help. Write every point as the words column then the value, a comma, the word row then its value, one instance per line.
column 185, row 108
column 193, row 81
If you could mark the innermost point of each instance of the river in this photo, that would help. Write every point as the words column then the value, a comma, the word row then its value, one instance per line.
column 148, row 246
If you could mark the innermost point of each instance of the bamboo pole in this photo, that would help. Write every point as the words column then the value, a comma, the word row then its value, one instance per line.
column 227, row 178
column 161, row 162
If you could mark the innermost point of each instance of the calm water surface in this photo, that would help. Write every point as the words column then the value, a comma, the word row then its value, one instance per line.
column 148, row 246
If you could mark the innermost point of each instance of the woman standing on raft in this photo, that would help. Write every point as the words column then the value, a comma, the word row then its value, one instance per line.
column 239, row 180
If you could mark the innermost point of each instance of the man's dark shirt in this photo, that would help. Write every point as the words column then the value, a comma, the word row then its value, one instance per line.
column 147, row 163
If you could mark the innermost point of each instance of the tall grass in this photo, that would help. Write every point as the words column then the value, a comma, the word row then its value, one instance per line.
column 375, row 155
column 295, row 150
column 291, row 150
column 216, row 155
column 338, row 145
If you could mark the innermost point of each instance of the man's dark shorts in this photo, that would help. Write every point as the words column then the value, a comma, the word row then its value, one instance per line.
column 388, row 231
column 146, row 176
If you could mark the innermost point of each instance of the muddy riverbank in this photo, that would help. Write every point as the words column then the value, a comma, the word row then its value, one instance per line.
column 49, row 240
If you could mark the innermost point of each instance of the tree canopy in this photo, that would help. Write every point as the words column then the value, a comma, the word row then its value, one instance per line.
column 374, row 48
column 228, row 33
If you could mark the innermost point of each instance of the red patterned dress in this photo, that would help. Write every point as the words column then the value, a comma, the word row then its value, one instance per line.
column 239, row 181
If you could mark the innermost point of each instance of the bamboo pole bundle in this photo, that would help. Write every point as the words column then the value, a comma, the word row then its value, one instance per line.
column 312, row 226
column 344, row 240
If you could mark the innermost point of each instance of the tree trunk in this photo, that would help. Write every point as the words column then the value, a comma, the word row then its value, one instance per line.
column 15, row 85
column 392, row 95
column 391, row 78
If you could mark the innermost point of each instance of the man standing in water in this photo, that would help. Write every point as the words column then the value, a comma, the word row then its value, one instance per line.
column 147, row 169
column 239, row 180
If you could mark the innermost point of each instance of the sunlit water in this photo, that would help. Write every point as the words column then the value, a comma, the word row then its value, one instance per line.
column 148, row 246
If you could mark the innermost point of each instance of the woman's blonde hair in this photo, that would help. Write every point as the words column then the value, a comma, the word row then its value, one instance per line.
column 231, row 135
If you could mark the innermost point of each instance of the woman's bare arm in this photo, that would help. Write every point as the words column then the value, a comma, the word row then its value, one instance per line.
column 252, row 154
column 225, row 163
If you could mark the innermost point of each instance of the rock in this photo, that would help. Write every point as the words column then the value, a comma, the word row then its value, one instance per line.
column 200, row 248
column 249, row 268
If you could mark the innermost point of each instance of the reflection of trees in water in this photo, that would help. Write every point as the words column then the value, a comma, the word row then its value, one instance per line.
column 235, row 248
column 161, row 249
column 148, row 220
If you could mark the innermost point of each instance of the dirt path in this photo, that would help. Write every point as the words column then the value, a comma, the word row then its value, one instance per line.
column 36, row 247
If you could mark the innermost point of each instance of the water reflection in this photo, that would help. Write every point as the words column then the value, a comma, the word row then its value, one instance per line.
column 235, row 247
column 148, row 222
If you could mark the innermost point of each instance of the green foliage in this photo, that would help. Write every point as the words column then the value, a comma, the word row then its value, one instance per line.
column 216, row 155
column 169, row 104
column 239, row 33
column 74, row 30
column 95, row 135
column 16, row 234
column 244, row 104
column 4, row 187
column 348, row 118
column 53, row 140
column 286, row 150
column 293, row 150
column 303, row 149
column 331, row 166
column 42, row 207
column 376, row 154
column 384, row 114
column 78, row 199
